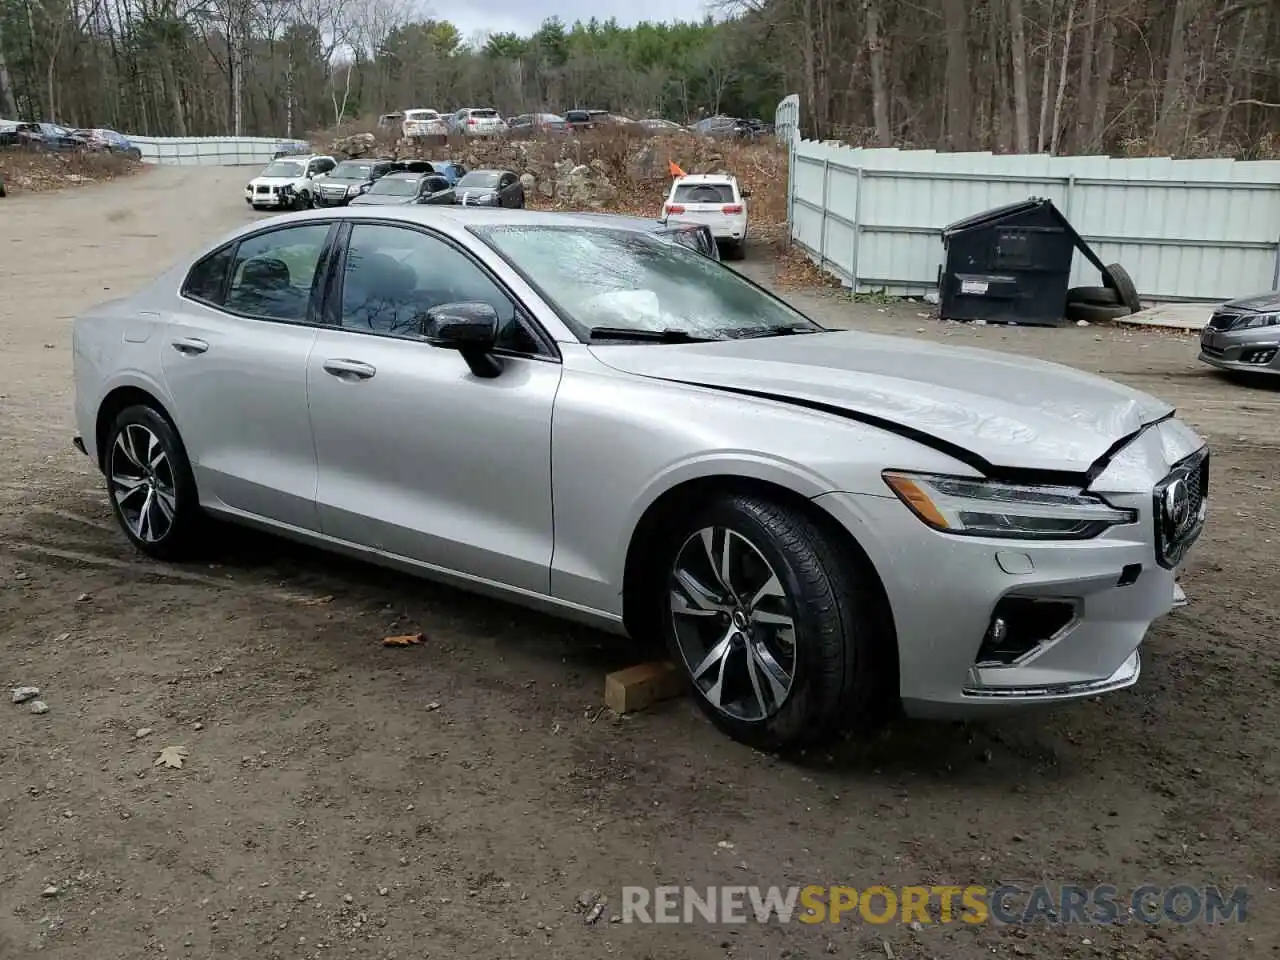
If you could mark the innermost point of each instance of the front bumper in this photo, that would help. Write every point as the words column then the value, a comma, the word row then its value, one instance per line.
column 266, row 199
column 1230, row 359
column 1254, row 350
column 944, row 591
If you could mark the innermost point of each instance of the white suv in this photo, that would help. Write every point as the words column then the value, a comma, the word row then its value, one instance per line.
column 479, row 122
column 286, row 182
column 714, row 200
column 421, row 122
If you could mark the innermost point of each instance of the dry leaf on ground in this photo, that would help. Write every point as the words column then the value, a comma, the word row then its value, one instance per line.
column 404, row 640
column 171, row 757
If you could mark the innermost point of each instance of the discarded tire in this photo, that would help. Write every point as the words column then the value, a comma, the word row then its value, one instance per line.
column 1103, row 296
column 1096, row 312
column 1117, row 278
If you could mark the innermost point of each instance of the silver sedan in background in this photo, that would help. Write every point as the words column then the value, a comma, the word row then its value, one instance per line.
column 1243, row 336
column 579, row 415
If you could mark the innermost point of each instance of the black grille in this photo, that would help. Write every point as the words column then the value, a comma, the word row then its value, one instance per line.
column 1223, row 320
column 1175, row 535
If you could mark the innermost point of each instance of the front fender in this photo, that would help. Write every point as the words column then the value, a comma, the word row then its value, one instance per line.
column 619, row 442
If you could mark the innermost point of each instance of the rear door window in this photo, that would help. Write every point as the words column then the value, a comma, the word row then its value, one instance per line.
column 703, row 193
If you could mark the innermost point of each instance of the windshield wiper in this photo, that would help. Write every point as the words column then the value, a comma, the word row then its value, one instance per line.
column 645, row 336
column 780, row 330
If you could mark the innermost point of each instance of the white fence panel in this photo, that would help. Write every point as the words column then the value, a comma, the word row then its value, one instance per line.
column 1185, row 229
column 211, row 151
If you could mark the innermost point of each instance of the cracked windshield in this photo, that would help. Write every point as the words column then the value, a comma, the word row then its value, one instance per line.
column 632, row 283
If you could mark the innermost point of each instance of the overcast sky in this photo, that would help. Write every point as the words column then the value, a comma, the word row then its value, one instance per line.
column 524, row 16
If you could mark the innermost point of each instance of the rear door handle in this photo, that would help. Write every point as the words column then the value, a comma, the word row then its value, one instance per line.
column 349, row 369
column 191, row 346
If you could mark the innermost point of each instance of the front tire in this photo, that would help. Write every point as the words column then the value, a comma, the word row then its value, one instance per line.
column 781, row 630
column 150, row 484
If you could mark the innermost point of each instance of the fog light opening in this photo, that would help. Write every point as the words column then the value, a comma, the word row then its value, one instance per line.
column 1020, row 625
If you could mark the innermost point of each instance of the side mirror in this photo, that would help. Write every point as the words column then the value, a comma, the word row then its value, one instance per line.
column 471, row 328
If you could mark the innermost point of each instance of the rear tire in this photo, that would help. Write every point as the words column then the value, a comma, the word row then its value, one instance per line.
column 150, row 484
column 806, row 647
column 1117, row 278
column 1096, row 312
column 1103, row 296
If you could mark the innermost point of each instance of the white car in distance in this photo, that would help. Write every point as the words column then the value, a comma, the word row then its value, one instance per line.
column 479, row 122
column 422, row 122
column 714, row 200
column 287, row 183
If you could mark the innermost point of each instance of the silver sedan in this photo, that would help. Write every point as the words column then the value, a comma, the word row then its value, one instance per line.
column 572, row 413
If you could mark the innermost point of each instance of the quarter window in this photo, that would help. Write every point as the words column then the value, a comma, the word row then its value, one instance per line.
column 208, row 277
column 394, row 275
column 273, row 272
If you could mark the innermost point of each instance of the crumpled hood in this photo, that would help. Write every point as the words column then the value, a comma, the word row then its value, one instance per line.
column 274, row 181
column 1010, row 411
column 1259, row 303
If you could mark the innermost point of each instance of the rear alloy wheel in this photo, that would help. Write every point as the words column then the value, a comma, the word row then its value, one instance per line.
column 149, row 480
column 779, row 630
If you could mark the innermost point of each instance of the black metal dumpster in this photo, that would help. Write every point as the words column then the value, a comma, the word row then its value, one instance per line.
column 1009, row 264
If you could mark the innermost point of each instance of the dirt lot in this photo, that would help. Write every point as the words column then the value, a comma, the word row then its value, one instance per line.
column 327, row 809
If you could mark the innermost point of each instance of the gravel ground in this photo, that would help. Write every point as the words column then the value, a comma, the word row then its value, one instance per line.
column 455, row 799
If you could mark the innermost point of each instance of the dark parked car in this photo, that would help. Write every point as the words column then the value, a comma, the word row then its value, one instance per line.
column 695, row 236
column 349, row 179
column 1244, row 335
column 405, row 187
column 449, row 169
column 98, row 138
column 54, row 136
column 530, row 124
column 489, row 188
column 586, row 119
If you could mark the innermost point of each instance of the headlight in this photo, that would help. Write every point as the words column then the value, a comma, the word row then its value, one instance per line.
column 1258, row 320
column 353, row 190
column 985, row 508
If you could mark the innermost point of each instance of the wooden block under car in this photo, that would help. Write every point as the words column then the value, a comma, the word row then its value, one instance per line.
column 641, row 686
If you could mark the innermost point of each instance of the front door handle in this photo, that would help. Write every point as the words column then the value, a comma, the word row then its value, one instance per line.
column 190, row 346
column 349, row 369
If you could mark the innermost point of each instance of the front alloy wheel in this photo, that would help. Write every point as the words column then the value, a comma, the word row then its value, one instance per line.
column 779, row 621
column 734, row 624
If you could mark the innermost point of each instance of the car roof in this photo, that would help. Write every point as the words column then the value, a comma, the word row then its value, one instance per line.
column 711, row 178
column 458, row 218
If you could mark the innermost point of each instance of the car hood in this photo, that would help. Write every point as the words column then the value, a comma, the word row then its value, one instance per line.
column 380, row 200
column 993, row 410
column 274, row 181
column 475, row 193
column 1259, row 303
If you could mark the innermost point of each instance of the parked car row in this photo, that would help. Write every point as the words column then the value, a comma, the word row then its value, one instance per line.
column 303, row 182
column 63, row 139
column 488, row 122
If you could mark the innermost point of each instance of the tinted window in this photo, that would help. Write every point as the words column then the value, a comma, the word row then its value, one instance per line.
column 394, row 275
column 480, row 178
column 273, row 272
column 577, row 116
column 484, row 114
column 703, row 193
column 395, row 187
column 434, row 184
column 207, row 277
column 352, row 171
